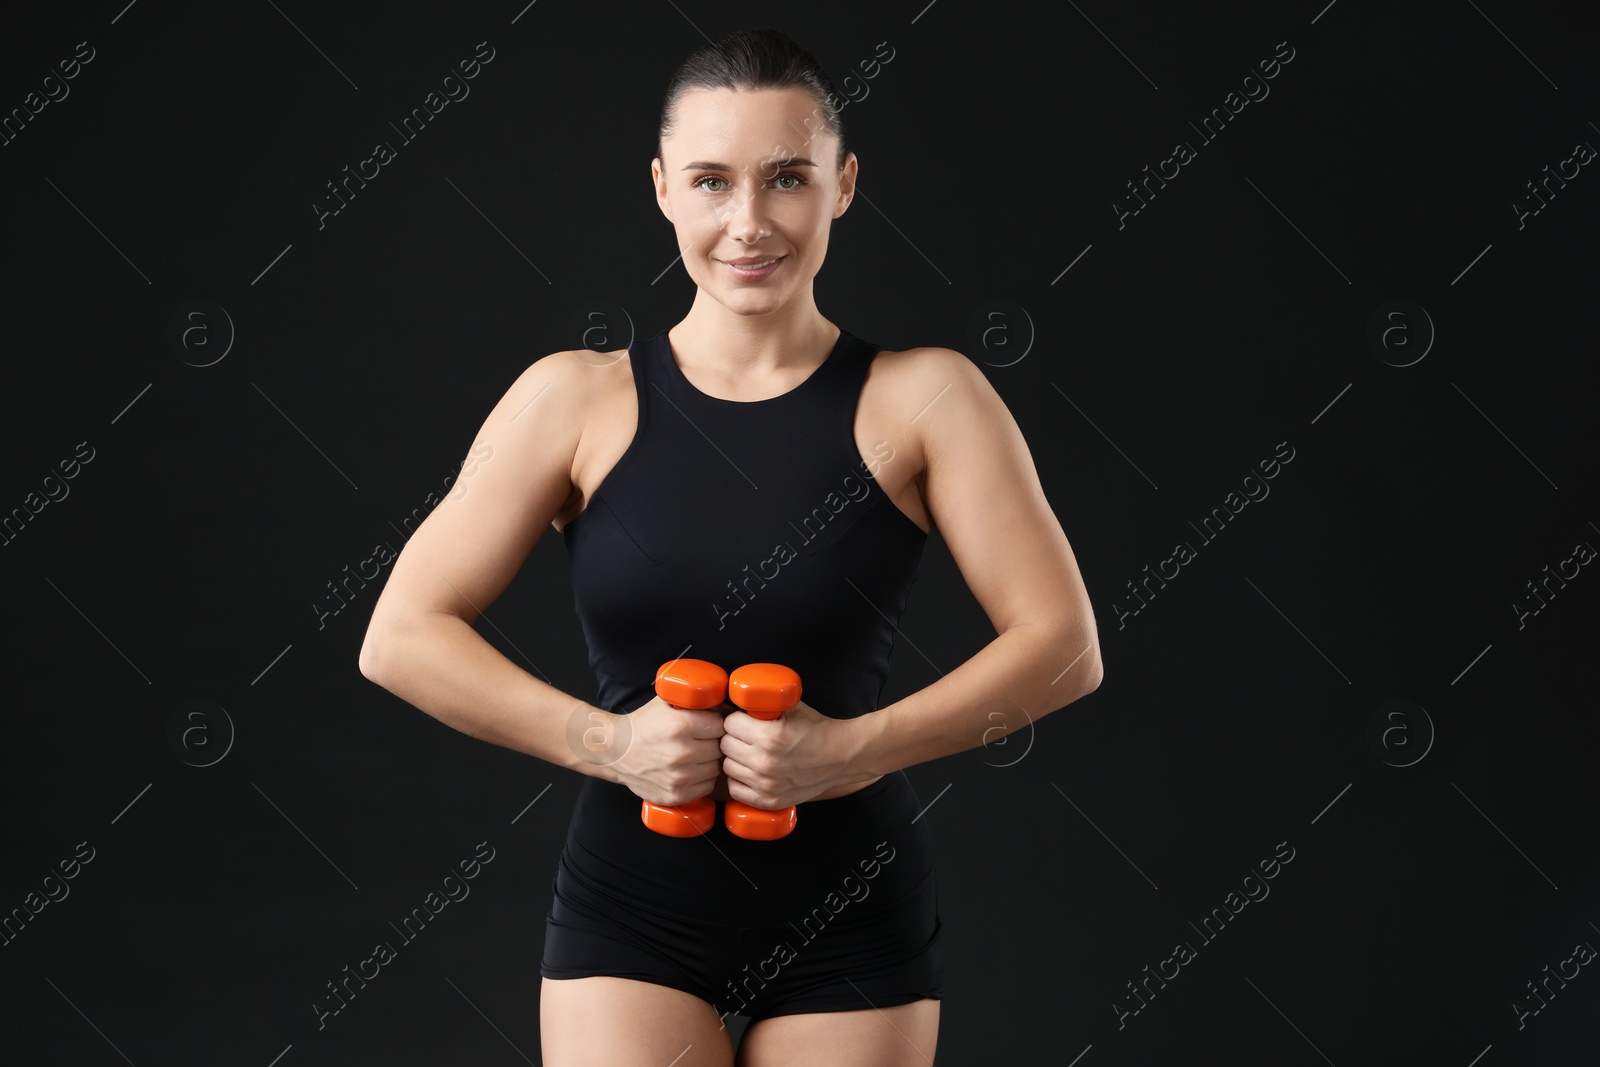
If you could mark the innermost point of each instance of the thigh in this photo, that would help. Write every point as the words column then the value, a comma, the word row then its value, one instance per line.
column 901, row 1036
column 622, row 1022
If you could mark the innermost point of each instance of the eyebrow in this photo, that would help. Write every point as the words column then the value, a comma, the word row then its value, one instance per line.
column 792, row 161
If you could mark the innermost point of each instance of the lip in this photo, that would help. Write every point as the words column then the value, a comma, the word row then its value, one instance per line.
column 734, row 265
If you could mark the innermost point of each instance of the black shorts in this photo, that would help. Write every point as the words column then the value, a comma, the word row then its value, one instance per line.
column 840, row 915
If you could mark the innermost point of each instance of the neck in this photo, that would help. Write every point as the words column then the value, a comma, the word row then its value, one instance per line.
column 792, row 337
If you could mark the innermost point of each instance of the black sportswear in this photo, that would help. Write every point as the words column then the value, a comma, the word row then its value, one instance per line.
column 741, row 532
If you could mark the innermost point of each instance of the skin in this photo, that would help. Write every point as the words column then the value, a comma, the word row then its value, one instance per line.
column 959, row 464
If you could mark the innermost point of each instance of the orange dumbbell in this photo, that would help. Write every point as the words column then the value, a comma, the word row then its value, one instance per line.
column 766, row 691
column 698, row 685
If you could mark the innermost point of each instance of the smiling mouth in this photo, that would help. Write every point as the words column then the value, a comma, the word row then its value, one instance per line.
column 756, row 268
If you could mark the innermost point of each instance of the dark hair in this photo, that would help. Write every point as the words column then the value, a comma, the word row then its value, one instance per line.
column 762, row 58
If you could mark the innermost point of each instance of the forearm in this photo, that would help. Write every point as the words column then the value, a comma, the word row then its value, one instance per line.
column 1018, row 678
column 440, row 664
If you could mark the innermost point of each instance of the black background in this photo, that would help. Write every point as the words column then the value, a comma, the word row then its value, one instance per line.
column 1231, row 314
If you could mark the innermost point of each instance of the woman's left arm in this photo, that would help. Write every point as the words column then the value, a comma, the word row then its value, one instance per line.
column 983, row 493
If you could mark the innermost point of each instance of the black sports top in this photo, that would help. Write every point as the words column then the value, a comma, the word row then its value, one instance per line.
column 743, row 532
column 736, row 532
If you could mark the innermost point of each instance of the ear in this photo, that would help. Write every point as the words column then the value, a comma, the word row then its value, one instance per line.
column 847, row 184
column 659, row 180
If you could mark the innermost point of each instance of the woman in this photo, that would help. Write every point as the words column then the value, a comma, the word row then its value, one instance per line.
column 760, row 461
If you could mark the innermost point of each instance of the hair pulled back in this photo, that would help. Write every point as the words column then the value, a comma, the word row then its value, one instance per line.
column 762, row 58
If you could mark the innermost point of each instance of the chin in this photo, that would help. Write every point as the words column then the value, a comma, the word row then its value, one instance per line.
column 754, row 307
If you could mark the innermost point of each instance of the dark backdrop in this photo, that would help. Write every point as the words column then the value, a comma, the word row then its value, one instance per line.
column 1346, row 680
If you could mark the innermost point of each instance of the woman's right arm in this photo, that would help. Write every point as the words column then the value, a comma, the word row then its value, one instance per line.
column 421, row 646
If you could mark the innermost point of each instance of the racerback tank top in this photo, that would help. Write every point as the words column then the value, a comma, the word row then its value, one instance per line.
column 742, row 532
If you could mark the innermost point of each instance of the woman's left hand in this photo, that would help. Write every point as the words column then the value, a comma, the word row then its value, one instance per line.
column 801, row 755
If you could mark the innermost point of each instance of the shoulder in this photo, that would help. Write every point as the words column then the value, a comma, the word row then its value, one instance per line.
column 927, row 362
column 928, row 398
column 916, row 378
column 578, row 368
column 942, row 398
column 564, row 386
column 542, row 417
column 925, row 357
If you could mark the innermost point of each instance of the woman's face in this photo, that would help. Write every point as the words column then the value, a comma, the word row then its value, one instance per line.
column 751, row 175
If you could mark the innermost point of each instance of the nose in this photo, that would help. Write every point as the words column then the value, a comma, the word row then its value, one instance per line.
column 747, row 219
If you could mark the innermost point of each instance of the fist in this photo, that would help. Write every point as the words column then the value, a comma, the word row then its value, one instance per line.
column 802, row 755
column 667, row 755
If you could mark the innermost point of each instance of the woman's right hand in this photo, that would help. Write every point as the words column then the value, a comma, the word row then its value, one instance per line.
column 667, row 755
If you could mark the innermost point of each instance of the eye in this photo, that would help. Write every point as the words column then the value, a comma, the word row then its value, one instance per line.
column 798, row 181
